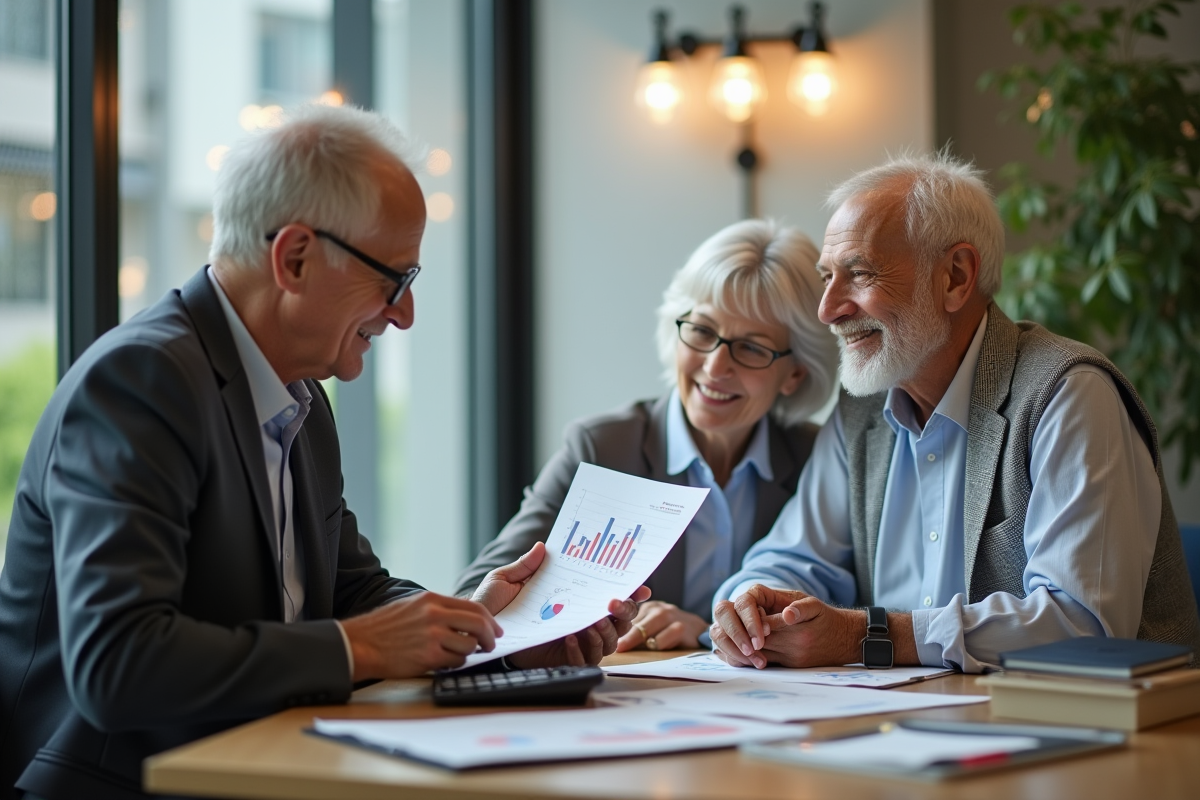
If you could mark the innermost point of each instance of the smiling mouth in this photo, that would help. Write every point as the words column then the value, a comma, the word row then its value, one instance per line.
column 366, row 337
column 713, row 394
column 857, row 336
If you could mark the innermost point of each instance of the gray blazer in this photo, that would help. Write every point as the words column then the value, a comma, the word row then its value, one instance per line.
column 140, row 600
column 633, row 440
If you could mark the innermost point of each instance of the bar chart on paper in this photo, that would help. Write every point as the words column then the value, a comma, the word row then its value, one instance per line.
column 603, row 548
column 611, row 532
column 606, row 533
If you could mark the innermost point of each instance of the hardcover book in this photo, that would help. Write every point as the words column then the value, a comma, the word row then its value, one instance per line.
column 1098, row 657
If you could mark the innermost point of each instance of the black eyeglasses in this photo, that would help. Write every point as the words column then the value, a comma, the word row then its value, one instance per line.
column 743, row 351
column 402, row 279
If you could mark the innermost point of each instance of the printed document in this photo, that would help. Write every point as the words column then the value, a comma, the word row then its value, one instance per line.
column 791, row 702
column 513, row 738
column 708, row 667
column 613, row 531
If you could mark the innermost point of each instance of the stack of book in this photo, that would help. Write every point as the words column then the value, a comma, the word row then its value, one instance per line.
column 1127, row 684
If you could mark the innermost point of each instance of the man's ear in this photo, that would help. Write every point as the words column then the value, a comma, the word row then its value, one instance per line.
column 961, row 264
column 292, row 252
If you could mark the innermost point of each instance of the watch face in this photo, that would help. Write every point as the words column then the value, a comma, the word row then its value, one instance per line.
column 877, row 653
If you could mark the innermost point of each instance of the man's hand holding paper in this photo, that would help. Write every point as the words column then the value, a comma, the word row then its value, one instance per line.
column 588, row 646
column 556, row 603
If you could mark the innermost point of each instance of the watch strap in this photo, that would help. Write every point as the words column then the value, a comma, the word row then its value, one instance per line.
column 877, row 624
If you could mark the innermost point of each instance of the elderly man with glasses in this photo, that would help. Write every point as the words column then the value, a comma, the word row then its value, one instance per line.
column 180, row 558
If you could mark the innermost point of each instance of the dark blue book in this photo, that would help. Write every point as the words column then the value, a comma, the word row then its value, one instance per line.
column 1098, row 657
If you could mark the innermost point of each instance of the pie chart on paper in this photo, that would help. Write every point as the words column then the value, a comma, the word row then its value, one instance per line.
column 551, row 609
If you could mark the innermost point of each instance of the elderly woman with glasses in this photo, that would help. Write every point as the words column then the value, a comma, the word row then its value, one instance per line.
column 749, row 363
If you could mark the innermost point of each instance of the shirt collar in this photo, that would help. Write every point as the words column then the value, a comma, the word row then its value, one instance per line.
column 955, row 404
column 681, row 448
column 271, row 396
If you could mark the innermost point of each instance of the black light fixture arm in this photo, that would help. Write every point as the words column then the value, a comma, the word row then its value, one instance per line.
column 806, row 39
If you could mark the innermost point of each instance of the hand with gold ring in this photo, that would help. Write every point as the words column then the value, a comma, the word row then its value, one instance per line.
column 662, row 626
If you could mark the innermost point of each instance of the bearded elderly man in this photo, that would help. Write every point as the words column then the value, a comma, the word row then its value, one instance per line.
column 180, row 558
column 982, row 486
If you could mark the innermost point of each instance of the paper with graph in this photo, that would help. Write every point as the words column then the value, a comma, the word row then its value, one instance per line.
column 613, row 531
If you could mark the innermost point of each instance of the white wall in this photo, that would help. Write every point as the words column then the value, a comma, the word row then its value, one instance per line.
column 622, row 202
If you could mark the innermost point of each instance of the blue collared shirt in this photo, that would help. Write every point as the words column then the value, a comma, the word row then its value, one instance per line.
column 1090, row 529
column 280, row 410
column 721, row 532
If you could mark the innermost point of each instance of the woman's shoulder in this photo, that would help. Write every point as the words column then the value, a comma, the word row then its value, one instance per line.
column 623, row 422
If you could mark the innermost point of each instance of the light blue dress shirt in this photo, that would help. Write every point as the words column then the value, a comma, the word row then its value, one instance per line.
column 1089, row 533
column 281, row 410
column 721, row 532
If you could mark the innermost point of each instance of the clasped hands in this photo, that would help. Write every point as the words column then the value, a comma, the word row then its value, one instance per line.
column 790, row 628
column 427, row 631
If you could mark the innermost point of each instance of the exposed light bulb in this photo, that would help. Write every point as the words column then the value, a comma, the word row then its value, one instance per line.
column 738, row 87
column 813, row 81
column 658, row 90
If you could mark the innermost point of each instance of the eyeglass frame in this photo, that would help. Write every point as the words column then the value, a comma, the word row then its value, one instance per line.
column 721, row 340
column 402, row 279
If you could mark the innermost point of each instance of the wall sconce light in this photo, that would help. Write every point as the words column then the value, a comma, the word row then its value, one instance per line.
column 738, row 86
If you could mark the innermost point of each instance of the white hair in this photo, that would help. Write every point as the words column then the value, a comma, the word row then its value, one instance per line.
column 321, row 166
column 760, row 270
column 946, row 201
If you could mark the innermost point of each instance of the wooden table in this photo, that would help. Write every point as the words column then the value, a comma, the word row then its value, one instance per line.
column 273, row 758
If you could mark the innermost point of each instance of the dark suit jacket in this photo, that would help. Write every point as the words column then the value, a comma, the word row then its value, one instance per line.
column 140, row 599
column 633, row 440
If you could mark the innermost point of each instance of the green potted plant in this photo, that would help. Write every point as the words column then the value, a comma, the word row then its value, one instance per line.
column 1120, row 263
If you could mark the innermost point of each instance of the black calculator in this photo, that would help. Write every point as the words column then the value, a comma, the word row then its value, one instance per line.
column 545, row 686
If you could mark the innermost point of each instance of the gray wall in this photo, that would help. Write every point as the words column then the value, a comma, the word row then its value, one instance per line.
column 972, row 37
column 622, row 202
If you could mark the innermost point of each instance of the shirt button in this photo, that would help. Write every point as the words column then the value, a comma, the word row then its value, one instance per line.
column 931, row 457
column 933, row 536
column 928, row 601
column 290, row 412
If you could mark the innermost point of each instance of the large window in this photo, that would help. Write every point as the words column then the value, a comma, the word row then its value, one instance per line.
column 181, row 107
column 27, row 214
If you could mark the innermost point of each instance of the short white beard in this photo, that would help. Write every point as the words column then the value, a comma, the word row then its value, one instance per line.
column 907, row 342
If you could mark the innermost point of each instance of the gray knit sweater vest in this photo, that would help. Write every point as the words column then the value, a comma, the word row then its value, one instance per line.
column 1019, row 366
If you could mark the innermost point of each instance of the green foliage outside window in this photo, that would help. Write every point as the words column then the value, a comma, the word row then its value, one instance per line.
column 26, row 383
column 1123, row 267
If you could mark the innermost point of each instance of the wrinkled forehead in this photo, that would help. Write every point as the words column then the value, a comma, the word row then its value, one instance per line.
column 866, row 224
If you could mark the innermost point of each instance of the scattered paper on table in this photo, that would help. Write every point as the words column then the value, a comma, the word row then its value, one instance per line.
column 708, row 667
column 904, row 749
column 491, row 739
column 784, row 702
column 613, row 531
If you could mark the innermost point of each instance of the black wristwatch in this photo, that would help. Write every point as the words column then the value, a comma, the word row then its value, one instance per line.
column 877, row 647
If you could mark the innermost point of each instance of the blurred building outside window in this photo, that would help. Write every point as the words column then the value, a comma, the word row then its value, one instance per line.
column 184, row 102
column 27, row 219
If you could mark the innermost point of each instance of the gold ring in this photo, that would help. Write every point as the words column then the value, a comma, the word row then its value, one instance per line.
column 651, row 643
column 642, row 631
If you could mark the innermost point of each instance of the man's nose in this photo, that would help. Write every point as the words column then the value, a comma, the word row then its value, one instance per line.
column 835, row 303
column 403, row 312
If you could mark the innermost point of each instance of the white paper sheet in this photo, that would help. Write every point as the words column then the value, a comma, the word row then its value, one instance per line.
column 707, row 667
column 904, row 749
column 489, row 739
column 784, row 702
column 613, row 531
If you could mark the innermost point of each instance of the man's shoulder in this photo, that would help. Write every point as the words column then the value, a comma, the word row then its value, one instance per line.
column 155, row 355
column 165, row 327
column 1038, row 346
